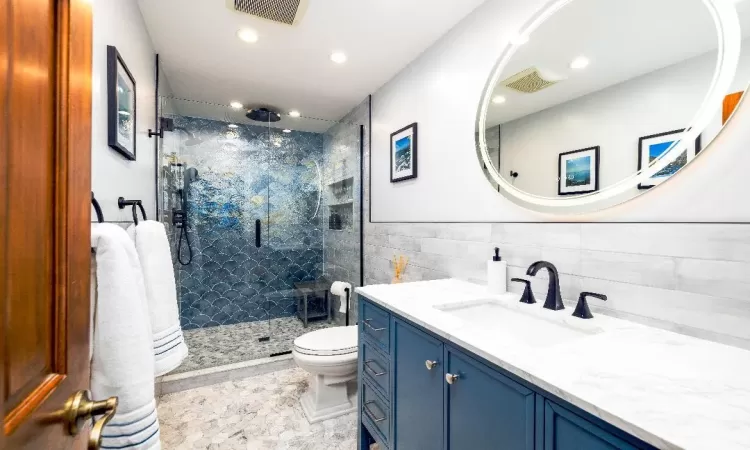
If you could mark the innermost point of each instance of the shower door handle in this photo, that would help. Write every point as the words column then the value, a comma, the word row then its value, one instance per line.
column 257, row 233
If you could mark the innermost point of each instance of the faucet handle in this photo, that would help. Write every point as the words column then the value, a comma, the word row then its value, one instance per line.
column 528, row 295
column 582, row 308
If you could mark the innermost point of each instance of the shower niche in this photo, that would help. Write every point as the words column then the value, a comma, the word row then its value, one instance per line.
column 341, row 204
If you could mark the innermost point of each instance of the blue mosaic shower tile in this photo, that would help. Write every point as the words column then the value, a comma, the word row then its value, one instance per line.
column 244, row 175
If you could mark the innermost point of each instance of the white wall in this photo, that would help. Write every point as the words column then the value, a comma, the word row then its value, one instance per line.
column 119, row 23
column 441, row 91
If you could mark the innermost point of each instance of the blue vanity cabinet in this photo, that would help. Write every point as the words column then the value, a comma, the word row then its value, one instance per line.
column 418, row 388
column 485, row 410
column 420, row 392
column 565, row 430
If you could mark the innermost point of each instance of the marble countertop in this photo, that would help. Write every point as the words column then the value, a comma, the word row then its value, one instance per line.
column 669, row 390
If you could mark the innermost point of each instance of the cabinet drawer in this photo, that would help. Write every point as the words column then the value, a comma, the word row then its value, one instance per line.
column 376, row 368
column 375, row 323
column 376, row 413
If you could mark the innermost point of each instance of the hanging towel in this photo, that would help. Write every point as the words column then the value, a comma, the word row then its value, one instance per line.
column 122, row 362
column 161, row 294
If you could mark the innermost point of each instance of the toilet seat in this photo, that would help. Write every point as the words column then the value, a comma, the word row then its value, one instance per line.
column 328, row 342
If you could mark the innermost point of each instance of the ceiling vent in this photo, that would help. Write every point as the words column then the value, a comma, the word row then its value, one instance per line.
column 281, row 11
column 530, row 80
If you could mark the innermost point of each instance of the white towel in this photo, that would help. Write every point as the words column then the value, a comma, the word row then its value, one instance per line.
column 122, row 362
column 156, row 261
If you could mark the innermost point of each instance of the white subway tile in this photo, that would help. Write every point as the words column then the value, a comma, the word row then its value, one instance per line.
column 646, row 270
column 717, row 278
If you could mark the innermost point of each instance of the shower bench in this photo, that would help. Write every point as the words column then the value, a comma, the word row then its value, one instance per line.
column 311, row 292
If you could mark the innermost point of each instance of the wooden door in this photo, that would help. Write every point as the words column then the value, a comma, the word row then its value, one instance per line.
column 45, row 158
column 418, row 389
column 484, row 408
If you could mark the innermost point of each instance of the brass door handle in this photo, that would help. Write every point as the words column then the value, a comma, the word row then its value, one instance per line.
column 431, row 364
column 451, row 378
column 79, row 408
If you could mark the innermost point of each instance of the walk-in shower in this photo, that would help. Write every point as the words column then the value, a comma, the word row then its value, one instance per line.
column 249, row 204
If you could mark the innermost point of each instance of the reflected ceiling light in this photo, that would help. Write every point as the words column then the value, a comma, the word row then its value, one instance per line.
column 294, row 113
column 232, row 125
column 123, row 113
column 498, row 99
column 236, row 105
column 287, row 130
column 580, row 63
column 248, row 35
column 338, row 57
column 519, row 39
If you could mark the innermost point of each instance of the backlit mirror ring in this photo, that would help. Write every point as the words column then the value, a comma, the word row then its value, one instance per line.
column 726, row 20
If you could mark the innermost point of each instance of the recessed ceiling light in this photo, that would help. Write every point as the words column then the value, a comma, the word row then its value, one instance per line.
column 248, row 35
column 498, row 99
column 294, row 113
column 287, row 130
column 232, row 125
column 338, row 57
column 236, row 105
column 580, row 63
column 519, row 39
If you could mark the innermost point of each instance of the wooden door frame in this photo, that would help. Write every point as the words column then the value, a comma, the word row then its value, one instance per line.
column 72, row 178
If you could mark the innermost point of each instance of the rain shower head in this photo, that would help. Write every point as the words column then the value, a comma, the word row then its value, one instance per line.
column 263, row 115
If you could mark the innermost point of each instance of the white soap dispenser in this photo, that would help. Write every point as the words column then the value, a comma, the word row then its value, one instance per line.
column 497, row 274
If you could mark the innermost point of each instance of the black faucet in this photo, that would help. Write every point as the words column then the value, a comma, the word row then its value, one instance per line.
column 554, row 299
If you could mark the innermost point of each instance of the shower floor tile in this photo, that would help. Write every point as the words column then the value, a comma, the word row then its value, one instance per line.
column 230, row 344
column 258, row 413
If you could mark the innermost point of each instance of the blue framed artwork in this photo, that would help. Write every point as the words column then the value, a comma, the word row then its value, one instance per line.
column 651, row 148
column 404, row 154
column 578, row 171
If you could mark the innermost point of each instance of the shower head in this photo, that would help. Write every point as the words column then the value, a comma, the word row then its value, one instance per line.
column 263, row 115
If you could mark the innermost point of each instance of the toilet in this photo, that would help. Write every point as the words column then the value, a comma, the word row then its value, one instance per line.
column 330, row 356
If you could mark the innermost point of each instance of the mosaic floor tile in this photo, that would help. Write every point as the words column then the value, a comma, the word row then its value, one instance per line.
column 256, row 413
column 229, row 344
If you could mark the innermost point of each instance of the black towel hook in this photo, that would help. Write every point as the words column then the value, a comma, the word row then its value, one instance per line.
column 122, row 203
column 97, row 208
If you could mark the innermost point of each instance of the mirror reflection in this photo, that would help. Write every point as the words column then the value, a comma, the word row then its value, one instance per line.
column 601, row 89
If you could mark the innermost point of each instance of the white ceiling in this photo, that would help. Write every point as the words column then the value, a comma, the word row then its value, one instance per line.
column 289, row 67
column 622, row 39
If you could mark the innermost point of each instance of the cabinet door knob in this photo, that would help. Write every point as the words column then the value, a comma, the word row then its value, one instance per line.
column 431, row 364
column 451, row 378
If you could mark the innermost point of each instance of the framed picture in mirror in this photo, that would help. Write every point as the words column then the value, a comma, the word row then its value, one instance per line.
column 404, row 154
column 578, row 171
column 120, row 105
column 651, row 148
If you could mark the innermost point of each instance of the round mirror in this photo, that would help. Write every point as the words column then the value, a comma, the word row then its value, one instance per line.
column 597, row 101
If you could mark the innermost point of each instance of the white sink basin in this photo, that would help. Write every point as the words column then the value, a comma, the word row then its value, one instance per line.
column 521, row 324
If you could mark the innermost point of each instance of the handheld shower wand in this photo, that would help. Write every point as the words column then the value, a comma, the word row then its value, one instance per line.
column 180, row 217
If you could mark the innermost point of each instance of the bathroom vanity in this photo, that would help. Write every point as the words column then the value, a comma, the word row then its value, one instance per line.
column 444, row 365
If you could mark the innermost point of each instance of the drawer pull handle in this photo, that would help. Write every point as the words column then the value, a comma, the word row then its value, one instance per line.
column 451, row 378
column 373, row 371
column 367, row 323
column 370, row 414
column 431, row 364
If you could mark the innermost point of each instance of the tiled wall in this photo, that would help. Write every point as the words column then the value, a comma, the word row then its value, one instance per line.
column 342, row 160
column 689, row 278
column 243, row 175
